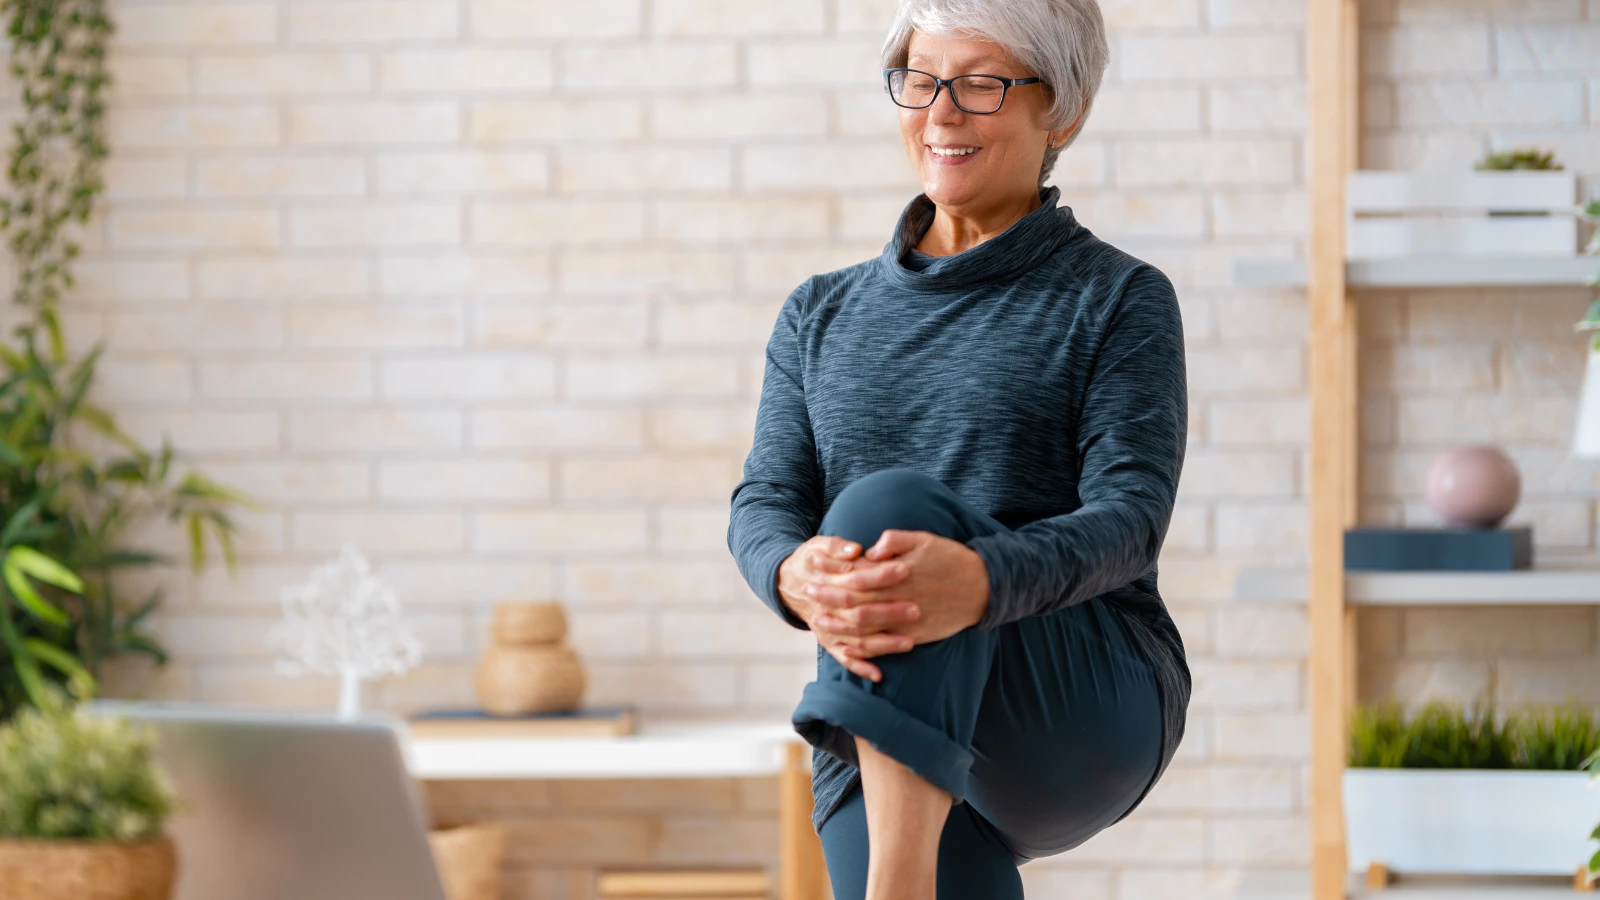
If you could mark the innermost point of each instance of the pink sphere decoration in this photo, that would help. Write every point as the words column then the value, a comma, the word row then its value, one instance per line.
column 1473, row 487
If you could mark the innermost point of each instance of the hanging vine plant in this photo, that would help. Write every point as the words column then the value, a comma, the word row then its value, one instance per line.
column 65, row 513
column 58, row 58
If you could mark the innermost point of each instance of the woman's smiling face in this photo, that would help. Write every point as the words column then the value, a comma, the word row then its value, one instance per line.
column 997, row 157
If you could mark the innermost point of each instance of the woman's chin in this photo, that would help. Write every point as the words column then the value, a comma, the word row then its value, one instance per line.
column 948, row 191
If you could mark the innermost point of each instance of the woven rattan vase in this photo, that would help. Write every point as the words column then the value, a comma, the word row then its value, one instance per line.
column 468, row 859
column 530, row 668
column 87, row 870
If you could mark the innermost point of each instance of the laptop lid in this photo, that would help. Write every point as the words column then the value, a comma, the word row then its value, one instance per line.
column 288, row 805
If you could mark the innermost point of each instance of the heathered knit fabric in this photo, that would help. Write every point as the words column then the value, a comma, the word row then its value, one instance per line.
column 1039, row 374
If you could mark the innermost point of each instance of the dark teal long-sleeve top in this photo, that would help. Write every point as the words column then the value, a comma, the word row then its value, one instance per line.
column 1040, row 375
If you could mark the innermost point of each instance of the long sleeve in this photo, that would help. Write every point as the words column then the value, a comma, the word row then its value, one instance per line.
column 1130, row 438
column 777, row 506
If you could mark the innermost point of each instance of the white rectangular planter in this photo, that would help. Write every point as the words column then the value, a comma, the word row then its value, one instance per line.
column 1402, row 214
column 1469, row 821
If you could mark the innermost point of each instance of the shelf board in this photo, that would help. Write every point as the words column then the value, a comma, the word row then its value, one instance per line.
column 1435, row 271
column 1401, row 890
column 659, row 749
column 1562, row 582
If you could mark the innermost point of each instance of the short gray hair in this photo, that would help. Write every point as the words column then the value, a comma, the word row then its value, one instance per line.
column 1060, row 41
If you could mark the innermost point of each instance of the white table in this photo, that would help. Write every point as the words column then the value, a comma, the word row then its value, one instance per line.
column 659, row 749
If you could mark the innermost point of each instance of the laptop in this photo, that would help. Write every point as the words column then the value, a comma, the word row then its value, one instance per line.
column 288, row 806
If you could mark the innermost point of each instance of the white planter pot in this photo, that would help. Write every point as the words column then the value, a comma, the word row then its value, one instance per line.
column 1469, row 821
column 1409, row 213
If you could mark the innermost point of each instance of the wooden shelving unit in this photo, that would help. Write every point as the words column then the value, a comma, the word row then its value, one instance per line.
column 1333, row 91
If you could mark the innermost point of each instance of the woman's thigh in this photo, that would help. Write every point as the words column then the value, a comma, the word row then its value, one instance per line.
column 973, row 861
column 1069, row 730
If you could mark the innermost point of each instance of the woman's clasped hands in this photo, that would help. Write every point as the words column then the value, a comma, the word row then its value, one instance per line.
column 909, row 588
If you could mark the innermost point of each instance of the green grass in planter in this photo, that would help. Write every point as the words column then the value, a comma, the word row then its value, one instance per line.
column 1380, row 736
column 1439, row 735
column 1444, row 735
column 1555, row 738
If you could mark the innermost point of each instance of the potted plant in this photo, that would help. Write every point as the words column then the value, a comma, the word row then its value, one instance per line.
column 60, row 499
column 1462, row 789
column 82, row 809
column 1526, row 159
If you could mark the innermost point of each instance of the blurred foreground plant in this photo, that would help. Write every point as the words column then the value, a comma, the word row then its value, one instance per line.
column 66, row 775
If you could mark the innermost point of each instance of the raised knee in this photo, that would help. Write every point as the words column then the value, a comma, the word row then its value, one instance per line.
column 884, row 486
column 897, row 498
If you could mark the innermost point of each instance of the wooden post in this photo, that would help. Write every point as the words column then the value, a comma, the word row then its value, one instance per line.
column 1332, row 79
column 801, row 871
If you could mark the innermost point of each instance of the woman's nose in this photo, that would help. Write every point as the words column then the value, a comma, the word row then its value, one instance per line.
column 944, row 108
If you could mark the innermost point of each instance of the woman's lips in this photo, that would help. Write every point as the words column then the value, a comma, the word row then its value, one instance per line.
column 952, row 160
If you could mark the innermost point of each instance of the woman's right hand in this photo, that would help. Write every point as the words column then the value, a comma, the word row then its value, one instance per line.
column 872, row 612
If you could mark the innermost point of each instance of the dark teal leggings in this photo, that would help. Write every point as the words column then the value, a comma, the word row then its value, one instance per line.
column 1044, row 730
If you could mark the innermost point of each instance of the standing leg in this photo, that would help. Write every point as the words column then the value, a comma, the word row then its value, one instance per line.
column 974, row 864
column 909, row 735
column 909, row 814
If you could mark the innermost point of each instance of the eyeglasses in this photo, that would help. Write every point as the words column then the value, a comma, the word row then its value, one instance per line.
column 979, row 94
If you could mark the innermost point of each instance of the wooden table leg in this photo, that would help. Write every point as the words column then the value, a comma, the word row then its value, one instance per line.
column 801, row 871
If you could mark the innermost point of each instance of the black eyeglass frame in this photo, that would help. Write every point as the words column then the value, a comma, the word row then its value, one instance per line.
column 1006, row 84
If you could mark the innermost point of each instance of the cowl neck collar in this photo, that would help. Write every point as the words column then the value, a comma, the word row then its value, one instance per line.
column 1025, row 244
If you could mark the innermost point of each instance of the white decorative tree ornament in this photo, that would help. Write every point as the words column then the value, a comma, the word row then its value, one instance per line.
column 344, row 622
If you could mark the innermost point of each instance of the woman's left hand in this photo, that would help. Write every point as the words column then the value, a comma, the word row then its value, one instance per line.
column 947, row 581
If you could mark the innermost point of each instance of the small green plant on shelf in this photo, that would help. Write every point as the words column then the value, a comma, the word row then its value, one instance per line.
column 66, row 775
column 1444, row 735
column 1525, row 158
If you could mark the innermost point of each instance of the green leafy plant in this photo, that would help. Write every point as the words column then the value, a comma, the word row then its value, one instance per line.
column 1526, row 158
column 65, row 504
column 66, row 775
column 79, row 508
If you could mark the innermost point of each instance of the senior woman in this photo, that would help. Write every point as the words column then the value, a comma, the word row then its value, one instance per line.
column 965, row 458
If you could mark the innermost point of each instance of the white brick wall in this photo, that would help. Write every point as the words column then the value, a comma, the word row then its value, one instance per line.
column 483, row 285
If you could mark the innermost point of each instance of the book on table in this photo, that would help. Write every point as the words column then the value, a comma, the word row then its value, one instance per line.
column 477, row 723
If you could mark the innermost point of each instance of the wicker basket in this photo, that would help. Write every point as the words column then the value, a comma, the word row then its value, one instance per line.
column 468, row 859
column 87, row 870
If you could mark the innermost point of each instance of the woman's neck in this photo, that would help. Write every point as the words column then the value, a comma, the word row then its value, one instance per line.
column 953, row 230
